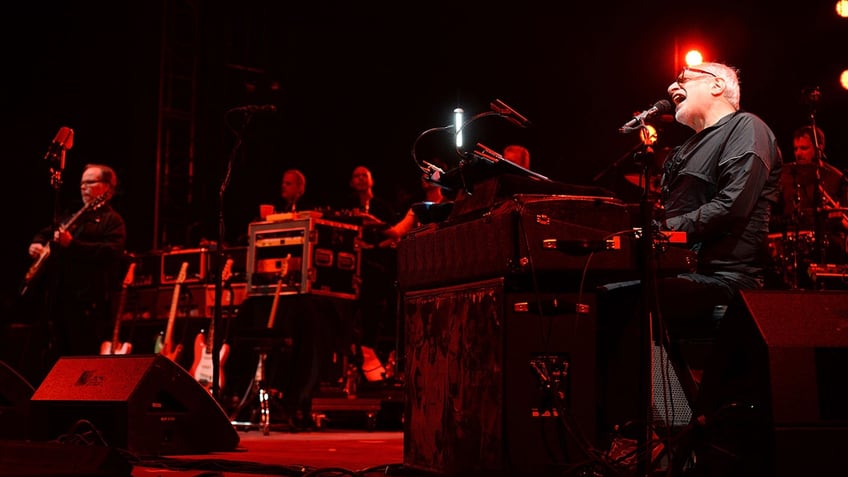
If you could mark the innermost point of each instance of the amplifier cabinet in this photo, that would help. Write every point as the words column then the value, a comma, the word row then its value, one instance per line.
column 195, row 300
column 198, row 264
column 499, row 383
column 318, row 256
column 148, row 269
column 201, row 265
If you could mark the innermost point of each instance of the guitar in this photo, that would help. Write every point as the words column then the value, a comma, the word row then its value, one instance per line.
column 201, row 368
column 284, row 270
column 166, row 346
column 259, row 377
column 38, row 264
column 115, row 346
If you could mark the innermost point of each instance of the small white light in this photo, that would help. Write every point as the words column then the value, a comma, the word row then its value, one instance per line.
column 457, row 120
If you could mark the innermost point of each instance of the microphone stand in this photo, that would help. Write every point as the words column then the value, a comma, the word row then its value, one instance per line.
column 57, row 166
column 217, row 339
column 644, row 156
column 818, row 201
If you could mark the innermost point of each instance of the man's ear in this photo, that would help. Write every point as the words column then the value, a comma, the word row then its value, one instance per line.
column 718, row 86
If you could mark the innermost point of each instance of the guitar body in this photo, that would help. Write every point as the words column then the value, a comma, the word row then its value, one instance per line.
column 201, row 368
column 35, row 269
column 171, row 352
column 122, row 348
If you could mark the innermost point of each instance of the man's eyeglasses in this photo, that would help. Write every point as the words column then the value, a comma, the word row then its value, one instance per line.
column 89, row 183
column 681, row 78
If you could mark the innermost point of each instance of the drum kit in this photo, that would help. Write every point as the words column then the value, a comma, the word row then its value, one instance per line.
column 809, row 226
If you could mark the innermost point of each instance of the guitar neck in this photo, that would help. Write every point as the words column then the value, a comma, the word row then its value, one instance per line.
column 280, row 278
column 116, row 333
column 122, row 300
column 275, row 304
column 226, row 276
column 172, row 315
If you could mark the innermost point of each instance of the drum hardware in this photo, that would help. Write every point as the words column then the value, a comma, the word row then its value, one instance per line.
column 790, row 250
column 833, row 207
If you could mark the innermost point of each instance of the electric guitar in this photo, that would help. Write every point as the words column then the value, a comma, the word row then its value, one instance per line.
column 115, row 346
column 201, row 368
column 284, row 270
column 166, row 346
column 38, row 264
column 259, row 378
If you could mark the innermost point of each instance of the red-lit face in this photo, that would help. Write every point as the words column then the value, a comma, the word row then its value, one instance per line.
column 92, row 184
column 291, row 188
column 804, row 149
column 361, row 179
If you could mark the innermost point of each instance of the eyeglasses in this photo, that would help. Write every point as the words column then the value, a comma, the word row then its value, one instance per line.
column 89, row 183
column 681, row 78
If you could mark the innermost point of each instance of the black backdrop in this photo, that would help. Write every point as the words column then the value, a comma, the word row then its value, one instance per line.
column 359, row 82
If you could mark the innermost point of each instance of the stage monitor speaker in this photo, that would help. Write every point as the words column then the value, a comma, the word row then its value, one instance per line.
column 15, row 393
column 145, row 404
column 500, row 383
column 774, row 390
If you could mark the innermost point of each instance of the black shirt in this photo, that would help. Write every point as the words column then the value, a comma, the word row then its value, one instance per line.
column 719, row 187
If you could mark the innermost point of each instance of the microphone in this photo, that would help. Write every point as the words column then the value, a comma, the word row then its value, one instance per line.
column 505, row 110
column 255, row 108
column 811, row 96
column 433, row 172
column 662, row 106
column 63, row 141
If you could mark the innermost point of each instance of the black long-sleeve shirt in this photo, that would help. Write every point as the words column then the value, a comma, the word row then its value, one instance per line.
column 719, row 187
column 89, row 268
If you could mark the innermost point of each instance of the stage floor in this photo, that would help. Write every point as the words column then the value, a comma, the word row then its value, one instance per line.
column 323, row 452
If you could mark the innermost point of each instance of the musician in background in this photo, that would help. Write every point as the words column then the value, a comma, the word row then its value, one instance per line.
column 518, row 154
column 797, row 212
column 292, row 188
column 432, row 195
column 376, row 309
column 363, row 202
column 82, row 272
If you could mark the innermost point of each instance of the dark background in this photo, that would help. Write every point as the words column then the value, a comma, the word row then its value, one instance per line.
column 359, row 82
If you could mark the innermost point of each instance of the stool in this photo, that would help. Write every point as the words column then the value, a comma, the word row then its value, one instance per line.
column 691, row 350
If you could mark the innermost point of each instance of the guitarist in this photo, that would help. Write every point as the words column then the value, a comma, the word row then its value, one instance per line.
column 80, row 271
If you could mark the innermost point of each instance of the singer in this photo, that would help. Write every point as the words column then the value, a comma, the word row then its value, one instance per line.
column 719, row 187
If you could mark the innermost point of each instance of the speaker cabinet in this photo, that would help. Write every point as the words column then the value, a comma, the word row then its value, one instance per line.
column 146, row 404
column 774, row 391
column 499, row 382
column 15, row 393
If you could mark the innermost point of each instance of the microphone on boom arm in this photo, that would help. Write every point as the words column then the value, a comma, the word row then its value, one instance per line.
column 662, row 106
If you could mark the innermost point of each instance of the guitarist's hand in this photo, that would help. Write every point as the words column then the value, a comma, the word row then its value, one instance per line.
column 36, row 249
column 62, row 237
